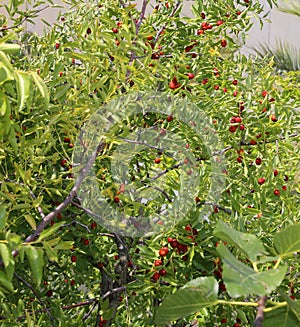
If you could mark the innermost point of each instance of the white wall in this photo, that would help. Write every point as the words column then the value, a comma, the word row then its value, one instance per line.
column 283, row 26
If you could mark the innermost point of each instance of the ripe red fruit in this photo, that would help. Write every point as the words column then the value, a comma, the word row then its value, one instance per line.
column 163, row 251
column 238, row 119
column 235, row 93
column 174, row 84
column 242, row 127
column 60, row 74
column 67, row 139
column 239, row 159
column 216, row 87
column 197, row 199
column 200, row 32
column 149, row 37
column 204, row 81
column 86, row 242
column 273, row 118
column 253, row 142
column 158, row 262
column 93, row 225
column 171, row 239
column 264, row 93
column 57, row 45
column 223, row 43
column 169, row 118
column 275, row 172
column 155, row 276
column 63, row 162
column 115, row 30
column 284, row 188
column 219, row 22
column 73, row 258
column 182, row 248
column 261, row 181
column 276, row 192
column 162, row 272
column 190, row 75
column 234, row 82
column 188, row 228
column 223, row 321
column 174, row 244
column 49, row 293
column 286, row 178
column 203, row 15
column 157, row 160
column 72, row 282
column 232, row 128
column 116, row 199
column 224, row 89
column 258, row 161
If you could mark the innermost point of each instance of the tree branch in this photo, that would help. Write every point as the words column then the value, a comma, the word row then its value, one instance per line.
column 258, row 322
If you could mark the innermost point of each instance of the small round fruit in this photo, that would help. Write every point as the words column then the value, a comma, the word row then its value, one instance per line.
column 275, row 172
column 155, row 276
column 234, row 82
column 163, row 251
column 273, row 118
column 115, row 30
column 162, row 272
column 93, row 225
column 223, row 43
column 190, row 75
column 116, row 199
column 158, row 262
column 276, row 192
column 241, row 127
column 258, row 161
column 157, row 160
column 86, row 242
column 239, row 159
column 174, row 244
column 73, row 258
column 261, row 181
column 169, row 118
column 57, row 45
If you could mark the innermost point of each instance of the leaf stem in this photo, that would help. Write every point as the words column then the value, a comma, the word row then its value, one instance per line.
column 248, row 304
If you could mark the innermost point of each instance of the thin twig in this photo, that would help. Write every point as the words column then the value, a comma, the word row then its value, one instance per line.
column 22, row 280
column 114, row 290
column 47, row 219
column 23, row 20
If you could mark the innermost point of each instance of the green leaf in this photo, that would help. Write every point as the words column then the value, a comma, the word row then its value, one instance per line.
column 294, row 305
column 23, row 87
column 9, row 47
column 249, row 244
column 2, row 217
column 51, row 254
column 288, row 241
column 282, row 317
column 64, row 245
column 5, row 255
column 36, row 261
column 199, row 293
column 30, row 221
column 41, row 86
column 242, row 280
column 5, row 283
column 48, row 232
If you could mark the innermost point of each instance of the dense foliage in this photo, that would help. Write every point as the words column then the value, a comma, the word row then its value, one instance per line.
column 60, row 264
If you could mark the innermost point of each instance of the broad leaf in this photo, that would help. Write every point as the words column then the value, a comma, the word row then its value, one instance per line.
column 242, row 280
column 249, row 244
column 288, row 241
column 5, row 283
column 36, row 261
column 4, row 254
column 23, row 87
column 2, row 217
column 201, row 292
column 282, row 317
column 41, row 86
column 48, row 232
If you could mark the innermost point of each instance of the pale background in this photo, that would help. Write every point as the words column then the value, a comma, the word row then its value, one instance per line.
column 283, row 26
